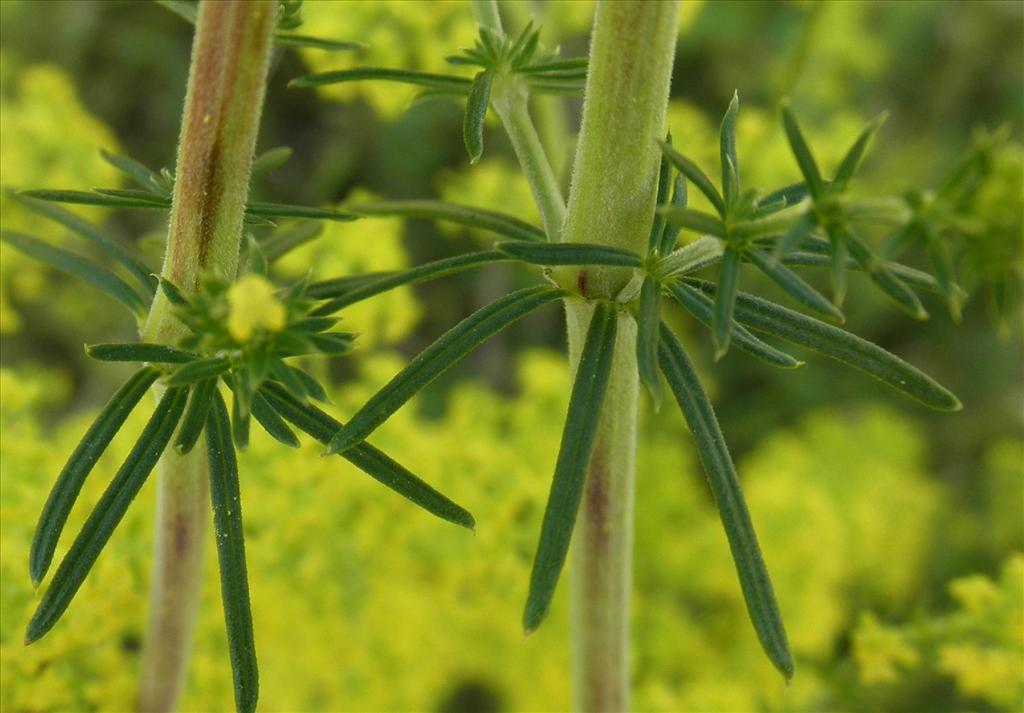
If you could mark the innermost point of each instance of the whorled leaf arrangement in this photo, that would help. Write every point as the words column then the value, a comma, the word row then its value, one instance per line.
column 810, row 224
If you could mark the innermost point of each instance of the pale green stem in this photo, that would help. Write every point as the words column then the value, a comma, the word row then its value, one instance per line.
column 227, row 78
column 612, row 202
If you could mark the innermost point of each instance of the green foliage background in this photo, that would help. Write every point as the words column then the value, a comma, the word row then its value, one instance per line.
column 895, row 537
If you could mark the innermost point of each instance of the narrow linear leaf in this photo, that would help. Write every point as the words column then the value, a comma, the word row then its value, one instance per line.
column 700, row 306
column 373, row 462
column 288, row 378
column 99, row 277
column 100, row 199
column 727, row 150
column 438, row 357
column 784, row 197
column 69, row 483
column 848, row 166
column 697, row 177
column 413, row 276
column 692, row 257
column 140, row 351
column 476, row 110
column 664, row 186
column 671, row 232
column 569, row 254
column 241, row 406
column 286, row 39
column 556, row 65
column 194, row 420
column 471, row 217
column 226, row 500
column 279, row 210
column 793, row 285
column 910, row 275
column 108, row 512
column 725, row 486
column 90, row 232
column 840, row 345
column 156, row 200
column 942, row 264
column 904, row 297
column 143, row 176
column 333, row 343
column 561, row 87
column 796, row 234
column 838, row 272
column 198, row 370
column 312, row 386
column 271, row 422
column 695, row 220
column 574, row 454
column 648, row 322
column 725, row 299
column 802, row 152
column 337, row 286
column 269, row 161
column 402, row 76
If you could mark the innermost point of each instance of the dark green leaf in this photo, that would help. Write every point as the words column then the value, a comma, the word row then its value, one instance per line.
column 194, row 421
column 700, row 306
column 942, row 264
column 725, row 486
column 794, row 286
column 420, row 79
column 285, row 39
column 664, row 185
column 840, row 345
column 784, row 197
column 288, row 378
column 578, row 435
column 538, row 86
column 569, row 254
column 271, row 422
column 99, row 277
column 332, row 343
column 840, row 260
column 107, row 514
column 226, row 499
column 476, row 110
column 241, row 405
column 691, row 257
column 725, row 299
column 89, row 231
column 697, row 177
column 69, row 483
column 198, row 370
column 412, row 276
column 479, row 218
column 848, row 166
column 338, row 286
column 804, row 158
column 648, row 321
column 186, row 10
column 571, row 64
column 911, row 276
column 172, row 293
column 278, row 210
column 727, row 150
column 671, row 232
column 269, row 161
column 904, row 297
column 156, row 200
column 695, row 220
column 376, row 464
column 140, row 351
column 796, row 234
column 146, row 178
column 439, row 356
column 87, row 198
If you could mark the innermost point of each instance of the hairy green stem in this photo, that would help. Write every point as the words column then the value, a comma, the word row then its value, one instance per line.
column 227, row 78
column 612, row 202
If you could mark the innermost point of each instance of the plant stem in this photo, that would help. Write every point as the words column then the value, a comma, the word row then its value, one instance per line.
column 227, row 78
column 612, row 203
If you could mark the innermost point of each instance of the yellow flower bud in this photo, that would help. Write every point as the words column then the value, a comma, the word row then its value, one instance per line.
column 253, row 307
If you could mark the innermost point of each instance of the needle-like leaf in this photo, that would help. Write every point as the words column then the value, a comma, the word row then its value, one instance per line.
column 99, row 277
column 794, row 286
column 438, row 357
column 697, row 177
column 107, row 514
column 476, row 110
column 725, row 299
column 664, row 187
column 412, row 276
column 727, row 149
column 116, row 199
column 700, row 306
column 403, row 76
column 695, row 220
column 578, row 436
column 495, row 222
column 671, row 232
column 796, row 234
column 286, row 39
column 198, row 370
column 90, row 232
column 904, row 297
column 283, row 242
column 840, row 345
column 373, row 462
column 279, row 210
column 141, row 352
column 269, row 161
column 804, row 158
column 225, row 497
column 725, row 486
column 69, row 483
column 146, row 178
column 569, row 254
column 271, row 422
column 648, row 321
column 848, row 166
column 691, row 257
column 194, row 420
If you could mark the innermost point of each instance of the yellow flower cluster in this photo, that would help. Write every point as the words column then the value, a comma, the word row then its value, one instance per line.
column 253, row 307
